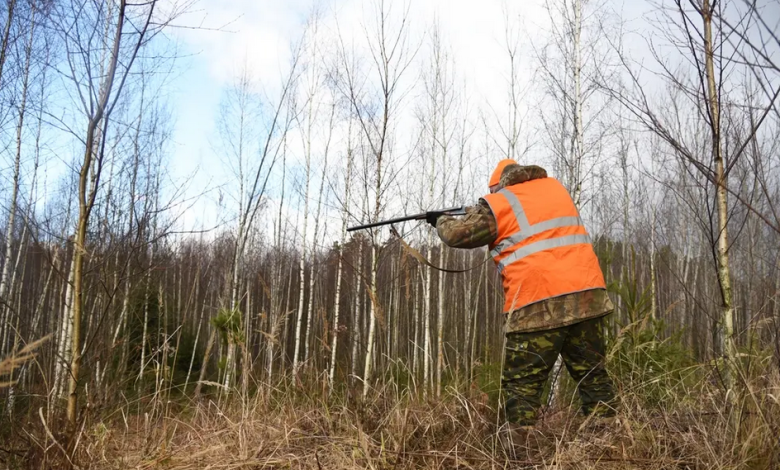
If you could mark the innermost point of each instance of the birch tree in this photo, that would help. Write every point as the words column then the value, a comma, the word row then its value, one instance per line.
column 258, row 173
column 237, row 127
column 97, row 74
column 275, row 313
column 391, row 57
column 437, row 122
column 704, row 42
column 313, row 275
column 311, row 105
column 6, row 285
column 335, row 330
column 511, row 125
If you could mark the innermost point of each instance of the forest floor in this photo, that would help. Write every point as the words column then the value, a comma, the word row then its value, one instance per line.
column 670, row 415
column 658, row 426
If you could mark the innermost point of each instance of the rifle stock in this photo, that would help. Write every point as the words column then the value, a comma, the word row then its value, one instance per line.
column 420, row 216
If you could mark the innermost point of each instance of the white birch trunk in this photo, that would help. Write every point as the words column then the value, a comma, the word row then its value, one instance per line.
column 16, row 294
column 310, row 304
column 273, row 332
column 728, row 347
column 13, row 292
column 475, row 316
column 307, row 145
column 10, row 9
column 302, row 274
column 577, row 154
column 278, row 288
column 578, row 126
column 356, row 317
column 312, row 276
column 148, row 282
column 440, row 333
column 653, row 307
column 146, row 320
column 394, row 344
column 204, row 365
column 246, row 345
column 238, row 256
column 65, row 343
column 426, row 311
column 337, row 303
column 372, row 312
column 469, row 315
column 776, row 299
column 229, row 363
column 339, row 253
column 5, row 285
column 37, row 313
column 122, row 323
column 415, row 340
column 197, row 336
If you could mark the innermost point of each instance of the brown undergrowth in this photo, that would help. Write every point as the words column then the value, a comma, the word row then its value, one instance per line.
column 699, row 428
column 670, row 415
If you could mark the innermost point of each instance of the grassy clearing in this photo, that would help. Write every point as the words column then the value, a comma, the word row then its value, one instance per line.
column 672, row 414
column 299, row 427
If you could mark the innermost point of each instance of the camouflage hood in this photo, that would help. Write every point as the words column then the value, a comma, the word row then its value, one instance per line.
column 516, row 174
column 478, row 227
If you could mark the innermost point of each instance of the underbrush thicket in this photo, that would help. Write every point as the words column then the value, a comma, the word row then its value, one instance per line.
column 672, row 414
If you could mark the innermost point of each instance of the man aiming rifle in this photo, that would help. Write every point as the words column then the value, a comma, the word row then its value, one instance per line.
column 555, row 298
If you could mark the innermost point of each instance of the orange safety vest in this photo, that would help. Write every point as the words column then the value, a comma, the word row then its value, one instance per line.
column 542, row 249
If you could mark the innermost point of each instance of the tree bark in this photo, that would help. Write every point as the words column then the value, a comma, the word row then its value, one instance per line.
column 356, row 318
column 372, row 313
column 302, row 274
column 426, row 332
column 204, row 365
column 724, row 275
column 6, row 36
column 5, row 286
column 340, row 251
column 440, row 323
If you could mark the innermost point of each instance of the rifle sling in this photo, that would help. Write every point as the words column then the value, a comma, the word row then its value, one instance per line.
column 419, row 257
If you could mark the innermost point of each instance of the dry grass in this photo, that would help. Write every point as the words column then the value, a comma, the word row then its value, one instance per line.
column 15, row 360
column 673, row 419
column 293, row 429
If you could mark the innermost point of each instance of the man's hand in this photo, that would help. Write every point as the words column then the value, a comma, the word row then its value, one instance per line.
column 432, row 218
column 477, row 228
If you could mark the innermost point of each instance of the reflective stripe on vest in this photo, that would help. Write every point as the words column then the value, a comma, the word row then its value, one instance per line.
column 542, row 248
column 527, row 230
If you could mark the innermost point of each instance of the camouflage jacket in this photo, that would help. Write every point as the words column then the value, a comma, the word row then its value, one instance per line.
column 479, row 228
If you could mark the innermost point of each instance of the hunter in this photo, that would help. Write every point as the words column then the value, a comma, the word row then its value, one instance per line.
column 555, row 298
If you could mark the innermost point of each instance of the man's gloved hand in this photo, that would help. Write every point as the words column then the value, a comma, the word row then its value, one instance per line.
column 432, row 218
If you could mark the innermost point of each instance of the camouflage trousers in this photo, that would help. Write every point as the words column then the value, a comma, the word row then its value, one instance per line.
column 530, row 358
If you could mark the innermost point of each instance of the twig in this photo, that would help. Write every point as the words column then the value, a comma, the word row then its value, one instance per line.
column 51, row 436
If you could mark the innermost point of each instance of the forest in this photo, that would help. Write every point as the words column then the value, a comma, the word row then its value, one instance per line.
column 149, row 321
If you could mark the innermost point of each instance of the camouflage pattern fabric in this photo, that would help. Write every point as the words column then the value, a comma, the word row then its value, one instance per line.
column 478, row 227
column 517, row 174
column 530, row 357
column 560, row 311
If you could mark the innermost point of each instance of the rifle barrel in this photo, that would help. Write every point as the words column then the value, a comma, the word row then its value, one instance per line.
column 387, row 222
column 421, row 216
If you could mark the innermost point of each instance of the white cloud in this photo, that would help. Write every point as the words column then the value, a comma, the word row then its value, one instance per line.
column 263, row 32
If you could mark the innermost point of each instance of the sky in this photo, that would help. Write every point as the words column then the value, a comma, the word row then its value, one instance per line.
column 215, row 39
column 259, row 33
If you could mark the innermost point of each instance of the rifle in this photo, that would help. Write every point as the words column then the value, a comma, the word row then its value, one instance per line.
column 421, row 216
